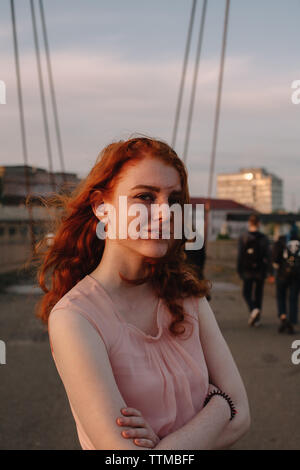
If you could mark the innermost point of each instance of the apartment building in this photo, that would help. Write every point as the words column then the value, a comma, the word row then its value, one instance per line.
column 254, row 187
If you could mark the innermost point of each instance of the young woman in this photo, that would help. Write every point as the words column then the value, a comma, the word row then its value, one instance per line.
column 132, row 334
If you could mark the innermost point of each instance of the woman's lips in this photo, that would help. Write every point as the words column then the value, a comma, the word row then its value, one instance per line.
column 160, row 233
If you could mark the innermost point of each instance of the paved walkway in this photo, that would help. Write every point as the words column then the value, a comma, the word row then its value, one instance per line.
column 34, row 410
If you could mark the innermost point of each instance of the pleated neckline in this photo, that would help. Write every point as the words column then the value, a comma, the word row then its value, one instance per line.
column 122, row 319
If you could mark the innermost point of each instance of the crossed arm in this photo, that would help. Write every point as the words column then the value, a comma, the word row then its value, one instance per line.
column 81, row 358
column 211, row 427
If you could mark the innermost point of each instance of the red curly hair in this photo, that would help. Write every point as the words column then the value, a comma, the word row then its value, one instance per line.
column 76, row 250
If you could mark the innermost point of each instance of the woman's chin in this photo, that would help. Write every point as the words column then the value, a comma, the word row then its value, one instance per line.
column 154, row 248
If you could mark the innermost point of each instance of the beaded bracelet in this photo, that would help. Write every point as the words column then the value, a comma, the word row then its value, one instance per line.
column 227, row 398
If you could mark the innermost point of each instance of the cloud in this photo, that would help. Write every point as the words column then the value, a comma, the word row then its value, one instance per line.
column 108, row 90
column 143, row 85
column 106, row 96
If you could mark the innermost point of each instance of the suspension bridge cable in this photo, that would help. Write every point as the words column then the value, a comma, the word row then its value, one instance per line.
column 196, row 69
column 52, row 90
column 22, row 125
column 218, row 103
column 42, row 94
column 185, row 61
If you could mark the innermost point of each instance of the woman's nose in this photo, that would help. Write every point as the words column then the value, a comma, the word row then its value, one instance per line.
column 161, row 212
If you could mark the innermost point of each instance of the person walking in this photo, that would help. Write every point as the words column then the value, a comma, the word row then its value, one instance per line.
column 253, row 266
column 286, row 263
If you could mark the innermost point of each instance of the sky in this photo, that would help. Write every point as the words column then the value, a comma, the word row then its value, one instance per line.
column 117, row 67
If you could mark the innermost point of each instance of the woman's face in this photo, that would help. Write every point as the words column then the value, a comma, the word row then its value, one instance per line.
column 150, row 181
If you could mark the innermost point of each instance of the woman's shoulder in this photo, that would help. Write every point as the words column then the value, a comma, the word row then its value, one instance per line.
column 85, row 293
column 200, row 308
column 192, row 305
column 86, row 301
column 76, row 297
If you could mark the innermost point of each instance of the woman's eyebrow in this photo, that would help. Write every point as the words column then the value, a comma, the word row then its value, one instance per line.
column 155, row 188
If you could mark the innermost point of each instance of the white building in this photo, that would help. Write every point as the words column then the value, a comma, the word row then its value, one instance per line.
column 254, row 187
column 217, row 216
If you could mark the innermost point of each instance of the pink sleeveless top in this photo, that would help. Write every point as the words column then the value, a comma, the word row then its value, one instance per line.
column 167, row 372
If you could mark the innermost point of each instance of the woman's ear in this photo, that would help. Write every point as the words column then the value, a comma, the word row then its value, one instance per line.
column 96, row 203
column 100, row 211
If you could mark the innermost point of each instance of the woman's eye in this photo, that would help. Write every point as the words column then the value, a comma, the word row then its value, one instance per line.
column 145, row 197
column 151, row 198
column 174, row 201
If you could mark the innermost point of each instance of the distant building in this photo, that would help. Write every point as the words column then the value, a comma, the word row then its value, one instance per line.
column 15, row 233
column 254, row 187
column 217, row 219
column 13, row 187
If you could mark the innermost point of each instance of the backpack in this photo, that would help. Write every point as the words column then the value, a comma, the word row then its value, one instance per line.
column 252, row 257
column 290, row 267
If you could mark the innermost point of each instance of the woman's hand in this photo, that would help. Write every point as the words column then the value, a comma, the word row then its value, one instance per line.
column 140, row 431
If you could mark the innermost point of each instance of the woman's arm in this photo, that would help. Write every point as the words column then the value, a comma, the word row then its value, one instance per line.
column 84, row 367
column 201, row 431
column 211, row 428
column 223, row 373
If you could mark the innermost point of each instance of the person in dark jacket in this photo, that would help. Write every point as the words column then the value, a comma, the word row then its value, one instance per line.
column 286, row 263
column 197, row 259
column 253, row 266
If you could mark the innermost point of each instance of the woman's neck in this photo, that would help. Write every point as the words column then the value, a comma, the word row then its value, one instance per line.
column 131, row 266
